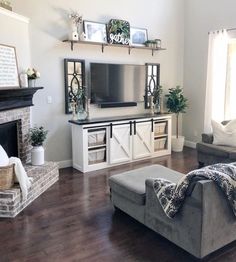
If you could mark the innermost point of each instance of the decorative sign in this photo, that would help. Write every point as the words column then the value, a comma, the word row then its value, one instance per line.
column 118, row 32
column 8, row 67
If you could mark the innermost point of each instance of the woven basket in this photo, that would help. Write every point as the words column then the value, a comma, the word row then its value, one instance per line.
column 6, row 177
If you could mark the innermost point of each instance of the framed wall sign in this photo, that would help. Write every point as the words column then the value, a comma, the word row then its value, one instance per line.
column 95, row 32
column 118, row 32
column 9, row 77
column 138, row 36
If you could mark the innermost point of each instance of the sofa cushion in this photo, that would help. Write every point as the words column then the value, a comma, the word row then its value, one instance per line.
column 131, row 184
column 216, row 150
column 224, row 134
column 232, row 155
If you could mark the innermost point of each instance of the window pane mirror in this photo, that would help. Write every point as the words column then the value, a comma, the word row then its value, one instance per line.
column 74, row 80
column 152, row 81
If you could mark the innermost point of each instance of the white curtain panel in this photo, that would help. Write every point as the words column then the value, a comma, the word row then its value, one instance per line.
column 216, row 78
column 230, row 92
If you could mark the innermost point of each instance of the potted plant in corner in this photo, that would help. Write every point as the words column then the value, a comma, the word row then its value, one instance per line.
column 37, row 136
column 176, row 103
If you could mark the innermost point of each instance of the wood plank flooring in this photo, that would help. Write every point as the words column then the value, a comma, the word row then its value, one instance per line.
column 75, row 221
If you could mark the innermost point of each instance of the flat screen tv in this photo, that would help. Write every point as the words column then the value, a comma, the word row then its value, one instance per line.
column 115, row 85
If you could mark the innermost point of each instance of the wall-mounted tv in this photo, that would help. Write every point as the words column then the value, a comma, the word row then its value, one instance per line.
column 115, row 85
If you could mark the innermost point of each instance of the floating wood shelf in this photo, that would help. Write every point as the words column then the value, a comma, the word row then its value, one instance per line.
column 17, row 97
column 103, row 45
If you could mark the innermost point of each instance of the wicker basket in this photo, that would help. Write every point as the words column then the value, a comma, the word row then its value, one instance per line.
column 6, row 177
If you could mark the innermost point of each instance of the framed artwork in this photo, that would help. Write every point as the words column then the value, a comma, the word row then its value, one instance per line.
column 9, row 77
column 95, row 32
column 138, row 36
column 118, row 32
column 74, row 80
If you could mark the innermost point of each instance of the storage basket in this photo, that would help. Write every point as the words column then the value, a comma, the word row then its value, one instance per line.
column 160, row 128
column 6, row 177
column 96, row 156
column 160, row 143
column 96, row 138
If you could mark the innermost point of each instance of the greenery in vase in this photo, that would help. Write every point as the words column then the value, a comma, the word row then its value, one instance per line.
column 176, row 103
column 37, row 135
column 157, row 92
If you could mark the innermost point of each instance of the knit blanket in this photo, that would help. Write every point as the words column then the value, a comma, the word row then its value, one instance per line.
column 171, row 196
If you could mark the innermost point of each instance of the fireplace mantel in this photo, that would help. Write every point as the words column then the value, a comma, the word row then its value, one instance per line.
column 17, row 97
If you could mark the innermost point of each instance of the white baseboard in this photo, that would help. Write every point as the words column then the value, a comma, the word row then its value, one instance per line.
column 190, row 144
column 65, row 163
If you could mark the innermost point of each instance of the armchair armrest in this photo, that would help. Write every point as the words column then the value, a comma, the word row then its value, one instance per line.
column 207, row 138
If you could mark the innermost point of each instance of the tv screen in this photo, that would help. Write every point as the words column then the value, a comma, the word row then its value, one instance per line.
column 117, row 83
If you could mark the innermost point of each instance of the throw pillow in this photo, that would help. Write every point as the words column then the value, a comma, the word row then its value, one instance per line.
column 4, row 160
column 224, row 135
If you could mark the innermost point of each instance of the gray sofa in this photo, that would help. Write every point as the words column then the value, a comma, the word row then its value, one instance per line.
column 208, row 153
column 204, row 224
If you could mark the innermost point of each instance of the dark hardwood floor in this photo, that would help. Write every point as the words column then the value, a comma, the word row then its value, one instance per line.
column 75, row 221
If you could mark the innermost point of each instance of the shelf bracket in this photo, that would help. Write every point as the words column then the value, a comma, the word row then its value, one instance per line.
column 72, row 45
column 152, row 52
column 102, row 48
column 129, row 50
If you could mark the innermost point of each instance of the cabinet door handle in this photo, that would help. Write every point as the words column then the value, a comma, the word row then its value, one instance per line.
column 152, row 125
column 134, row 127
column 111, row 130
column 130, row 128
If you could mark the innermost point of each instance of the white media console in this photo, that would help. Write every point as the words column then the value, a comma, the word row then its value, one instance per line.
column 106, row 142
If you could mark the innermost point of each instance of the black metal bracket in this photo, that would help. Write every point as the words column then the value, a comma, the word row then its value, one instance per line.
column 134, row 127
column 111, row 131
column 130, row 128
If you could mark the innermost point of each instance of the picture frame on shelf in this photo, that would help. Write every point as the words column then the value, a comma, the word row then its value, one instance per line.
column 95, row 32
column 138, row 36
column 9, row 76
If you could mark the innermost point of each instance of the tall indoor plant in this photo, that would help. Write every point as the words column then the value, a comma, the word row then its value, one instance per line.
column 37, row 136
column 176, row 103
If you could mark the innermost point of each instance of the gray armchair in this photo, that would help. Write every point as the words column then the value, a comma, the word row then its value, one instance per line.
column 208, row 153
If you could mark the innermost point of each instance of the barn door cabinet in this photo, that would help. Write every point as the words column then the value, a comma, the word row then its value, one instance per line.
column 102, row 143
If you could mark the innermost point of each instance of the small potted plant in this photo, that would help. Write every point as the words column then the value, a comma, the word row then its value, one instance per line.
column 32, row 75
column 176, row 103
column 157, row 92
column 37, row 135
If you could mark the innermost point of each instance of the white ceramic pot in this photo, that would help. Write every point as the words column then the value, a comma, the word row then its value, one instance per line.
column 177, row 144
column 37, row 156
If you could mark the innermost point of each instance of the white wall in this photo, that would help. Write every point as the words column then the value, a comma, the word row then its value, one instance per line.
column 14, row 31
column 200, row 18
column 163, row 19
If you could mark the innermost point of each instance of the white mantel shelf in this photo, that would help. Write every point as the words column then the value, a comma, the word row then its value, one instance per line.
column 16, row 16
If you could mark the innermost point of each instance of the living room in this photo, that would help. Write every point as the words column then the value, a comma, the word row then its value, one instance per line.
column 74, row 219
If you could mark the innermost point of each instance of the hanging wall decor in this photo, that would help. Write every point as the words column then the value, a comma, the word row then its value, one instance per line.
column 118, row 32
column 74, row 82
column 152, row 81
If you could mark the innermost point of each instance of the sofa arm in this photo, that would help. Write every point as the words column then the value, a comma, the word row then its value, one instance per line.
column 207, row 138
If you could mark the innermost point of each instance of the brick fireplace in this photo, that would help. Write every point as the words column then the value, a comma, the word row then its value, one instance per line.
column 15, row 108
column 22, row 117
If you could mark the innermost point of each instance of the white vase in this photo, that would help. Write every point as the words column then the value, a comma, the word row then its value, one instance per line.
column 37, row 156
column 177, row 144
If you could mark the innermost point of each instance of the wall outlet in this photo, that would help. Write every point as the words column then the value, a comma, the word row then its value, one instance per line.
column 195, row 133
column 49, row 100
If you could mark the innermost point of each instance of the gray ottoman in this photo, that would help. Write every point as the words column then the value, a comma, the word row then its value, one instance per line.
column 128, row 188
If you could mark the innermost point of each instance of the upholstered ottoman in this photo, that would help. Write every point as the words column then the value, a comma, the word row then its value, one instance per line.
column 128, row 189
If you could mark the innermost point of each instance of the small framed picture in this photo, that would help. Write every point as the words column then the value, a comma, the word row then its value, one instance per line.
column 138, row 36
column 95, row 32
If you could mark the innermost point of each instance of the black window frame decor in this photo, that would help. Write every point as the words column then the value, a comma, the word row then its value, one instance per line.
column 69, row 93
column 154, row 77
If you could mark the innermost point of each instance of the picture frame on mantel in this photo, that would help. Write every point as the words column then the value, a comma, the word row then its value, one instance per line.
column 9, row 76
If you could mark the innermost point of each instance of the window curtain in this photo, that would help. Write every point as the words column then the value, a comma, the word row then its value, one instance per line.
column 216, row 78
column 230, row 91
